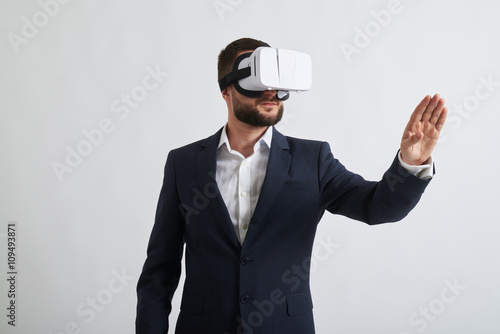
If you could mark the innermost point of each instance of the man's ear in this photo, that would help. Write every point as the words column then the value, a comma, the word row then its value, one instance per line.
column 226, row 94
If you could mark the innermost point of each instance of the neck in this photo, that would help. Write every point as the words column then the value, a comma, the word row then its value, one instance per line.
column 242, row 137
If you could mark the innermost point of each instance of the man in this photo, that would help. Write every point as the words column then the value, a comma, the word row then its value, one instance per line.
column 246, row 202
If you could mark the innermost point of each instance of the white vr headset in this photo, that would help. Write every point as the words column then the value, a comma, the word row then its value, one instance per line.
column 269, row 69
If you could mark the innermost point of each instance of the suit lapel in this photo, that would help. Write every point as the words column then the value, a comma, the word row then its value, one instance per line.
column 276, row 173
column 206, row 166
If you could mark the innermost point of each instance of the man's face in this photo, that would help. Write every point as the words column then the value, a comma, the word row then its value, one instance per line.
column 266, row 110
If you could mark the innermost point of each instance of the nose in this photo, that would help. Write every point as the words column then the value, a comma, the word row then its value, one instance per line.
column 269, row 93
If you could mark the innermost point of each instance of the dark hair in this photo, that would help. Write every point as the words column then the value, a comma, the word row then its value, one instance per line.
column 227, row 56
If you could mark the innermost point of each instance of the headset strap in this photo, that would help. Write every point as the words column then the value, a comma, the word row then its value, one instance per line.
column 234, row 76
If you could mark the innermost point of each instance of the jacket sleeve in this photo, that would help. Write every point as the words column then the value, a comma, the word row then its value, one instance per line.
column 162, row 268
column 348, row 194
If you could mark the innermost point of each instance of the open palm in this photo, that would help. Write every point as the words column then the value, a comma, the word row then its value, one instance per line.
column 422, row 132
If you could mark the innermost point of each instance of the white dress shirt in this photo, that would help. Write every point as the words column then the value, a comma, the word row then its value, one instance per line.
column 240, row 179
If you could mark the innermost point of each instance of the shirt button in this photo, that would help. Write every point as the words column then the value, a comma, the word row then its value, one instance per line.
column 244, row 194
column 245, row 226
column 244, row 299
column 244, row 163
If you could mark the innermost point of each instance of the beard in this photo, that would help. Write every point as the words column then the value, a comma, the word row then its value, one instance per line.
column 249, row 114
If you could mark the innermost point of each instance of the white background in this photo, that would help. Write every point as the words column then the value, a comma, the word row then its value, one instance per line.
column 78, row 230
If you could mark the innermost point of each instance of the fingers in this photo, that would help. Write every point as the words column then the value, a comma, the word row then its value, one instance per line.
column 429, row 110
column 420, row 109
column 442, row 119
column 431, row 107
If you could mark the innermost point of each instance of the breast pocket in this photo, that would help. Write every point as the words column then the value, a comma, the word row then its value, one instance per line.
column 293, row 186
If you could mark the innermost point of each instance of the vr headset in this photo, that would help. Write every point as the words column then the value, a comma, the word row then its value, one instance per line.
column 268, row 68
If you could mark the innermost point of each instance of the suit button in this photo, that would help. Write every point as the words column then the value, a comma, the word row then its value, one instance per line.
column 245, row 260
column 244, row 299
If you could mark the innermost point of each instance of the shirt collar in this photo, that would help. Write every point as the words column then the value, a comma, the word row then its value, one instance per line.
column 265, row 139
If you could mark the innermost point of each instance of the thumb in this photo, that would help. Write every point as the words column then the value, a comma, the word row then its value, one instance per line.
column 412, row 140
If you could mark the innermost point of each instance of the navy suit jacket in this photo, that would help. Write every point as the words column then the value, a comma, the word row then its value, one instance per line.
column 261, row 286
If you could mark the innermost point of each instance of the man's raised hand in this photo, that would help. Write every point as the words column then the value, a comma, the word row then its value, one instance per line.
column 422, row 132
